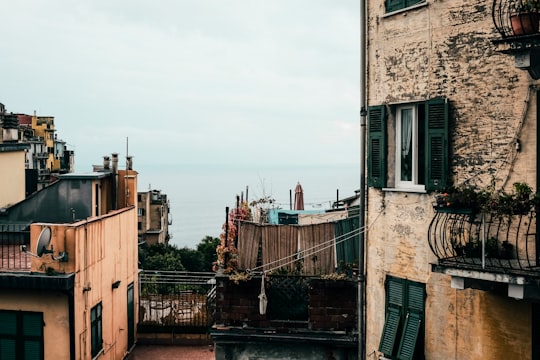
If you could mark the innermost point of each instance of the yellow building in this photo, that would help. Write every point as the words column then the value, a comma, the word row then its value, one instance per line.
column 12, row 156
column 68, row 270
column 44, row 128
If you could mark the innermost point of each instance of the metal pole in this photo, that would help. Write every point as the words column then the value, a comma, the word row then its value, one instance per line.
column 362, row 205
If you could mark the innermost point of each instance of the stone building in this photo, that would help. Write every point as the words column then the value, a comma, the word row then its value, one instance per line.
column 154, row 217
column 447, row 107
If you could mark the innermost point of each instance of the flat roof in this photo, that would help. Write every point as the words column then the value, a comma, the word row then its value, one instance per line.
column 85, row 176
column 5, row 147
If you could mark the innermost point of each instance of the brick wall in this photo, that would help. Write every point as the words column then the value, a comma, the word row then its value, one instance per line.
column 331, row 305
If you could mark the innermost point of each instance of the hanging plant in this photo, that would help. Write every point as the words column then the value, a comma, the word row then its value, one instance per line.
column 463, row 199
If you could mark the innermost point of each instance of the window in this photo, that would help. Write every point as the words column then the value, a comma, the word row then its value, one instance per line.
column 415, row 158
column 394, row 5
column 21, row 335
column 403, row 332
column 409, row 148
column 96, row 328
column 141, row 211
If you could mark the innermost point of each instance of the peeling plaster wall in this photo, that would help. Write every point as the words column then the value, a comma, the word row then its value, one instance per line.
column 445, row 49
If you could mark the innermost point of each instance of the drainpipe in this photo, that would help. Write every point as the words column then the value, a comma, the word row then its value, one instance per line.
column 537, row 235
column 115, row 181
column 362, row 207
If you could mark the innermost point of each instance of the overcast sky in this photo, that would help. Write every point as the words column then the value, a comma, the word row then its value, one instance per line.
column 188, row 81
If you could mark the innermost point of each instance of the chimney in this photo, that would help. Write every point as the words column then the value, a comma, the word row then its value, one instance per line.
column 10, row 126
column 106, row 163
column 115, row 180
column 115, row 163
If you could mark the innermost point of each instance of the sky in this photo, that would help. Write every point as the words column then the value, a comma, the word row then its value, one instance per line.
column 188, row 81
column 234, row 88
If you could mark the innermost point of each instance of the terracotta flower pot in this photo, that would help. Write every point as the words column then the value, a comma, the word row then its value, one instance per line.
column 525, row 23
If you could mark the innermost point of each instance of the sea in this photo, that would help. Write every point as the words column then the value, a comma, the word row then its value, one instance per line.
column 199, row 194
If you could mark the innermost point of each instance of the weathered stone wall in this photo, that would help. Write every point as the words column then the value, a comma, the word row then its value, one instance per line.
column 445, row 49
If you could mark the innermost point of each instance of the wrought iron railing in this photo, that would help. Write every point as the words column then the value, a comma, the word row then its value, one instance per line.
column 498, row 243
column 176, row 299
column 515, row 18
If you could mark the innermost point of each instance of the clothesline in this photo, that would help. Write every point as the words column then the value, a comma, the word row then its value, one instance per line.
column 332, row 242
column 299, row 255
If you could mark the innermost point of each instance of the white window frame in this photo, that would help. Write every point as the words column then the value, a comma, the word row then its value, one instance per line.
column 413, row 184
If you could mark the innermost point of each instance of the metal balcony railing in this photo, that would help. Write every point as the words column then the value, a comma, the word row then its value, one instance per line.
column 516, row 18
column 12, row 237
column 176, row 299
column 501, row 244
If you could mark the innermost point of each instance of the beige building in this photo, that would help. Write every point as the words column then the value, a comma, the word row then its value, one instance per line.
column 68, row 269
column 446, row 105
column 154, row 217
column 12, row 157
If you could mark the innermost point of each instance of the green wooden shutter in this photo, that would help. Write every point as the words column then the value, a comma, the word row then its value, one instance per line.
column 8, row 319
column 346, row 240
column 32, row 324
column 394, row 311
column 394, row 291
column 411, row 330
column 393, row 5
column 416, row 296
column 377, row 146
column 390, row 330
column 436, row 144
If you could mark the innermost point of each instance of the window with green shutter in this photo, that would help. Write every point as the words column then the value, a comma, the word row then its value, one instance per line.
column 420, row 146
column 21, row 335
column 394, row 5
column 436, row 143
column 377, row 129
column 403, row 331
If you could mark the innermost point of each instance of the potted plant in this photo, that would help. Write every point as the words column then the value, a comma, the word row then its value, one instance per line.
column 524, row 16
column 461, row 200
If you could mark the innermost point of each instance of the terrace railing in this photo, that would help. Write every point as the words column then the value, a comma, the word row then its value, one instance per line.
column 12, row 237
column 176, row 301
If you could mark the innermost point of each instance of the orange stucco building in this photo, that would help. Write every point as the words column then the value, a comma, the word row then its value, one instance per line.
column 68, row 269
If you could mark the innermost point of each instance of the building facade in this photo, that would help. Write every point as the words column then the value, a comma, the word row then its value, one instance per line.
column 447, row 108
column 154, row 217
column 46, row 156
column 68, row 269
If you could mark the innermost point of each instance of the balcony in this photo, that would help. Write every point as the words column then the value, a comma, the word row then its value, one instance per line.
column 479, row 250
column 12, row 237
column 519, row 30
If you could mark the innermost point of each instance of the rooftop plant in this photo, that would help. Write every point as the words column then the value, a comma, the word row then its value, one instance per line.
column 524, row 6
column 227, row 253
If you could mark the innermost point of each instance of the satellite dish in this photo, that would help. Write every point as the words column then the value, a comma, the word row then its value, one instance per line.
column 43, row 242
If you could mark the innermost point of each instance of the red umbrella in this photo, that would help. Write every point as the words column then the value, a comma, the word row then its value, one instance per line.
column 298, row 197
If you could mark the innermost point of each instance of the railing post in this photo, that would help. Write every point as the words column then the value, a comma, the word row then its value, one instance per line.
column 483, row 240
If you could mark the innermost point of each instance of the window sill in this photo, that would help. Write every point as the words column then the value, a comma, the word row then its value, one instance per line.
column 407, row 190
column 404, row 10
